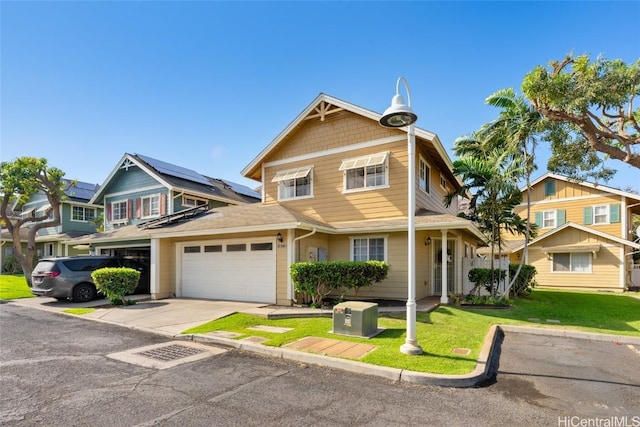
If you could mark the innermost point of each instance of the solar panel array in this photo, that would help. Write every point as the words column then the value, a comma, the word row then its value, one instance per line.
column 242, row 189
column 174, row 170
column 81, row 190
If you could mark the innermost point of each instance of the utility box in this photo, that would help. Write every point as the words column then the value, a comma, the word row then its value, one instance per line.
column 355, row 318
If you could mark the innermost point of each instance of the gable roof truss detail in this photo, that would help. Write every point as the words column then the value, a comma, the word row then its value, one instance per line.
column 323, row 110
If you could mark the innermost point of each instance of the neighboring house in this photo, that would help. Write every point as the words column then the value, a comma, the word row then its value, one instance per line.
column 584, row 236
column 142, row 192
column 77, row 217
column 334, row 187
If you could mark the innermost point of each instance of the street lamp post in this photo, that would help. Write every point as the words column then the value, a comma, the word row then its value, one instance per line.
column 400, row 115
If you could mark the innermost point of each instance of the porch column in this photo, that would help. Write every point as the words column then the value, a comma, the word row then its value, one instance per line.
column 154, row 268
column 444, row 298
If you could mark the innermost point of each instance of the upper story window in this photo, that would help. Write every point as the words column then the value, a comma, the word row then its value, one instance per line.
column 82, row 213
column 443, row 182
column 424, row 176
column 150, row 206
column 294, row 183
column 368, row 249
column 572, row 262
column 367, row 172
column 601, row 214
column 192, row 201
column 549, row 219
column 119, row 211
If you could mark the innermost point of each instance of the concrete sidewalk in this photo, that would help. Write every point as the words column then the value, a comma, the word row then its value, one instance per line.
column 169, row 317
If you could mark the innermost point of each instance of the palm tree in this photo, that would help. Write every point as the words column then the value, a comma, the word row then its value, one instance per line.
column 490, row 178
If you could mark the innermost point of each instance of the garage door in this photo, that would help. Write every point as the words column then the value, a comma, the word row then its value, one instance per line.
column 229, row 270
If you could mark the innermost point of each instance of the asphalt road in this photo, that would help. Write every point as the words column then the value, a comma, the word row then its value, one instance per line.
column 54, row 371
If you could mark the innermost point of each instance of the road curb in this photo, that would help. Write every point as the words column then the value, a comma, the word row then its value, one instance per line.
column 623, row 339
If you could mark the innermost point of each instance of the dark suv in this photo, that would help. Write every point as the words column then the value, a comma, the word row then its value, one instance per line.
column 70, row 277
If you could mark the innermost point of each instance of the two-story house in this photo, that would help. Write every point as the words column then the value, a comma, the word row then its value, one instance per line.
column 77, row 216
column 142, row 193
column 334, row 187
column 584, row 236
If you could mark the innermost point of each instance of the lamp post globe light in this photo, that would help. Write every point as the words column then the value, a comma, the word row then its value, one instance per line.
column 400, row 115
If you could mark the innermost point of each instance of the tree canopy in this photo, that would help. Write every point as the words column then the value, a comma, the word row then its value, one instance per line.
column 590, row 105
column 20, row 180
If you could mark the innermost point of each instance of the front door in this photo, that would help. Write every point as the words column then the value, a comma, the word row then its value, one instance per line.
column 437, row 263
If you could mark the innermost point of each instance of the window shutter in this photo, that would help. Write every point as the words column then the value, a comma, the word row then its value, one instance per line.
column 550, row 188
column 138, row 207
column 561, row 217
column 587, row 215
column 538, row 218
column 163, row 204
column 108, row 212
column 614, row 213
column 130, row 208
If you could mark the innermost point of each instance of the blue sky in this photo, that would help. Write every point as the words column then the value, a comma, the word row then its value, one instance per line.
column 207, row 85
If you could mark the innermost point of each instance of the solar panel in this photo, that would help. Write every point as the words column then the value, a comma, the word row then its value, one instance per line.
column 174, row 170
column 81, row 190
column 242, row 189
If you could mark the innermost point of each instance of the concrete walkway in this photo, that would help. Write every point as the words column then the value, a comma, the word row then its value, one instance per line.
column 169, row 317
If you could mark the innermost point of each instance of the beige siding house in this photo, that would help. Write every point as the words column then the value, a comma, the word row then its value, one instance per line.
column 334, row 187
column 584, row 234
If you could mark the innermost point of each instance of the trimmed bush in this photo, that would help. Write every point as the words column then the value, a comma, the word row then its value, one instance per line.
column 525, row 282
column 12, row 265
column 116, row 282
column 319, row 279
column 487, row 278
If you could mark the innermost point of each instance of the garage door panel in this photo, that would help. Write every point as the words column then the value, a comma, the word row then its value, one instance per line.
column 234, row 275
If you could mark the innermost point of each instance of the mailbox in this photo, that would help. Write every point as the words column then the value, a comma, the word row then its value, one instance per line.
column 355, row 318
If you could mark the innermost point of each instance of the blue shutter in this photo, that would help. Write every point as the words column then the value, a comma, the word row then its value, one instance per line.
column 561, row 217
column 614, row 213
column 587, row 214
column 538, row 218
column 549, row 188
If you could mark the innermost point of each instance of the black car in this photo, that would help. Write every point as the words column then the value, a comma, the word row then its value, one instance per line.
column 70, row 277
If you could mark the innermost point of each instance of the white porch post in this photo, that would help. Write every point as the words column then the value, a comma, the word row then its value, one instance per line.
column 154, row 265
column 444, row 298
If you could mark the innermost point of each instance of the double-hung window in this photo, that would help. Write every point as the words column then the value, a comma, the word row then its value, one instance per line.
column 294, row 183
column 424, row 176
column 81, row 213
column 601, row 214
column 549, row 219
column 363, row 173
column 119, row 211
column 150, row 206
column 368, row 249
column 572, row 262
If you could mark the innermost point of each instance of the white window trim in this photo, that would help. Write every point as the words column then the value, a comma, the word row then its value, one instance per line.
column 362, row 163
column 573, row 272
column 126, row 212
column 84, row 210
column 443, row 182
column 195, row 199
column 608, row 219
column 555, row 219
column 293, row 174
column 386, row 244
column 428, row 174
column 150, row 197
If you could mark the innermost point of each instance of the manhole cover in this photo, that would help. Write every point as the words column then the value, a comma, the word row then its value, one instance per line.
column 171, row 352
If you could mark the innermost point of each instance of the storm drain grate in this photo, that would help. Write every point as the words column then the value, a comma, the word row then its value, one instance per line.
column 170, row 352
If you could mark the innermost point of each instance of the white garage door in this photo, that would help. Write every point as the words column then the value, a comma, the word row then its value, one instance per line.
column 229, row 270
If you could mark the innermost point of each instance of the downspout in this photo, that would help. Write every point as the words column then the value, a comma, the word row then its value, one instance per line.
column 292, row 259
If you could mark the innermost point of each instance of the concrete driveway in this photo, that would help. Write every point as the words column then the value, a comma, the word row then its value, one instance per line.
column 168, row 316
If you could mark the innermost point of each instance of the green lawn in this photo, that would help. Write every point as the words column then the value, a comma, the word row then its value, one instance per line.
column 446, row 328
column 13, row 286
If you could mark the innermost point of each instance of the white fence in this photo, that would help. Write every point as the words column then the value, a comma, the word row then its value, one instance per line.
column 470, row 263
column 635, row 275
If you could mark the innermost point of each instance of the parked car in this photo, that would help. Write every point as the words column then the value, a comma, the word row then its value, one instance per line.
column 70, row 277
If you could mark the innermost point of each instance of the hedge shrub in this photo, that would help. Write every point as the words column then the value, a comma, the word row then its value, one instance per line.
column 525, row 282
column 116, row 282
column 487, row 278
column 319, row 279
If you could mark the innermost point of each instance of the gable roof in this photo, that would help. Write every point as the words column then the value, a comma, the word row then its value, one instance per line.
column 178, row 178
column 584, row 184
column 581, row 228
column 321, row 105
